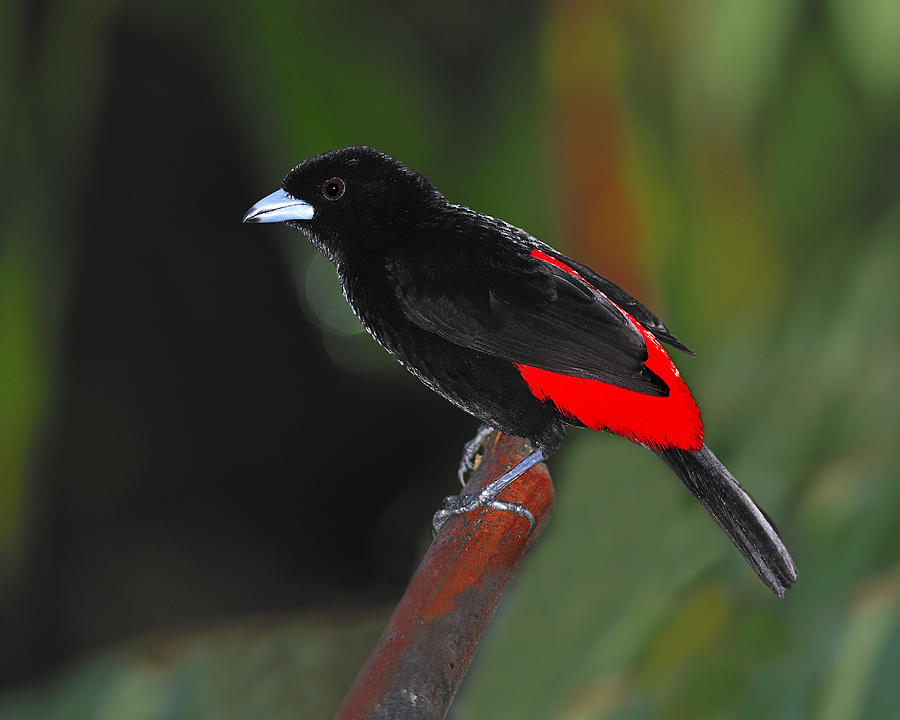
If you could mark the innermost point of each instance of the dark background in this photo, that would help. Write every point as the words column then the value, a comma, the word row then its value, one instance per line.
column 204, row 462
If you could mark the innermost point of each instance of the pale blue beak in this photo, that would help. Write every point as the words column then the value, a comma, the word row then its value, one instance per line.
column 279, row 207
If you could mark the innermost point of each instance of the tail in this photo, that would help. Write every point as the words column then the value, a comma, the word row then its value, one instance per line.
column 747, row 526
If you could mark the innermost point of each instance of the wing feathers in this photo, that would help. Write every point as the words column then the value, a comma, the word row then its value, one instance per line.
column 530, row 312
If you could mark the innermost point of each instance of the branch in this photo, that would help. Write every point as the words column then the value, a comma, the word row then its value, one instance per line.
column 423, row 654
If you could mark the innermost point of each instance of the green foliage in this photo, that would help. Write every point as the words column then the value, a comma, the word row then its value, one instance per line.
column 626, row 599
column 20, row 374
column 272, row 669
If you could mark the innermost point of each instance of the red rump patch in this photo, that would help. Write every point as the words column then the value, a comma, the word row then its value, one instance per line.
column 660, row 422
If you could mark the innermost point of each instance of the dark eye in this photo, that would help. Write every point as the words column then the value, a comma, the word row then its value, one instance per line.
column 333, row 189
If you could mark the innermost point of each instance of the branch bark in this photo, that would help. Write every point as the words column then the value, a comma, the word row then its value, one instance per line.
column 423, row 654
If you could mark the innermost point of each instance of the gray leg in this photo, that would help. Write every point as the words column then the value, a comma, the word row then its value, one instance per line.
column 470, row 450
column 458, row 504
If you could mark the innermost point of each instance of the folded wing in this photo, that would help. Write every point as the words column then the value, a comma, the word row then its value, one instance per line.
column 530, row 312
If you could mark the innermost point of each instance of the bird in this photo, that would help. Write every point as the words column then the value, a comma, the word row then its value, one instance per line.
column 510, row 330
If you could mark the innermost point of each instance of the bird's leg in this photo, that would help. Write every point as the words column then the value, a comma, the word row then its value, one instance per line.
column 458, row 504
column 470, row 450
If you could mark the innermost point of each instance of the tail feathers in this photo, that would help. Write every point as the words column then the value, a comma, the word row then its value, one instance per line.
column 748, row 527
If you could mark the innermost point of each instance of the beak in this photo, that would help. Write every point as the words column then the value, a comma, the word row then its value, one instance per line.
column 279, row 207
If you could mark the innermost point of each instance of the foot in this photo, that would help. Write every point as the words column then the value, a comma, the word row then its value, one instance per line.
column 487, row 498
column 459, row 504
column 470, row 451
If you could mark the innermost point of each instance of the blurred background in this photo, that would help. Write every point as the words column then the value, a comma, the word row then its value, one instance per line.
column 213, row 486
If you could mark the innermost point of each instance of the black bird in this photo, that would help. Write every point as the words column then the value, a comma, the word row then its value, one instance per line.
column 509, row 330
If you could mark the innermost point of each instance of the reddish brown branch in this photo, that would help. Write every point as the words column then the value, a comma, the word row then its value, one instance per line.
column 423, row 654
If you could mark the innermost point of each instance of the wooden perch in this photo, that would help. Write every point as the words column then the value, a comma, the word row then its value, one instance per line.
column 423, row 654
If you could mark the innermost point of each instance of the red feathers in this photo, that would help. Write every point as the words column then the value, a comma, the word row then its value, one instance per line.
column 660, row 422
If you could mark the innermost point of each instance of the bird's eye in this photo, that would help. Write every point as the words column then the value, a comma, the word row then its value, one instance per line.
column 333, row 189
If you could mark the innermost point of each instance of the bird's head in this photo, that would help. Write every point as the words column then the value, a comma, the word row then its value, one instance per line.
column 349, row 196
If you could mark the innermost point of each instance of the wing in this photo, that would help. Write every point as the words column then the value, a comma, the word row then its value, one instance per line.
column 505, row 303
column 621, row 298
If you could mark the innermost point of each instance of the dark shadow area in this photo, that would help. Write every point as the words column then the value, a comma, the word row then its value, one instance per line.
column 206, row 458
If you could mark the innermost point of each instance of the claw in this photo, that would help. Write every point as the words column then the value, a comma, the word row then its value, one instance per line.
column 517, row 508
column 470, row 451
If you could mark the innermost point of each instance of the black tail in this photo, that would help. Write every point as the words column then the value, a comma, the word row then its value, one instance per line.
column 747, row 526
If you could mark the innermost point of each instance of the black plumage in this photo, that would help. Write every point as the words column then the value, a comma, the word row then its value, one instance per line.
column 508, row 329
